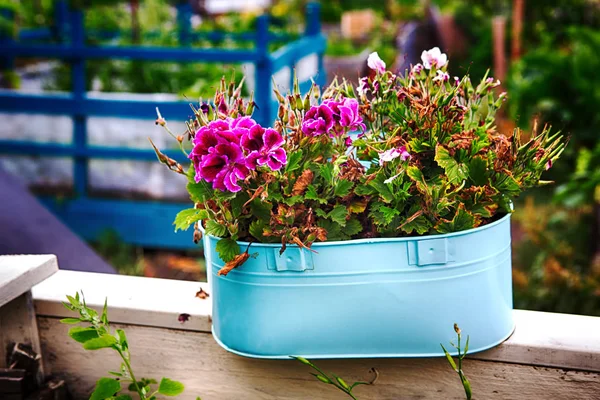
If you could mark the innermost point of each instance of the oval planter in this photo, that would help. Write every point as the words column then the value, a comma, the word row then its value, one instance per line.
column 396, row 297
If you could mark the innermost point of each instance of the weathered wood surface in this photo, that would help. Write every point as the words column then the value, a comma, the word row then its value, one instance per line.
column 132, row 300
column 18, row 274
column 210, row 372
column 549, row 356
column 18, row 323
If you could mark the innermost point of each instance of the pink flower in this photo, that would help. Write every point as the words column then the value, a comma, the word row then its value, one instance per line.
column 318, row 120
column 441, row 76
column 416, row 70
column 434, row 57
column 345, row 114
column 376, row 63
column 264, row 147
column 548, row 165
column 348, row 141
column 392, row 154
column 223, row 167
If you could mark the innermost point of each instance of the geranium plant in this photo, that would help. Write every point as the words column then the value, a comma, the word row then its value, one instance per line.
column 397, row 156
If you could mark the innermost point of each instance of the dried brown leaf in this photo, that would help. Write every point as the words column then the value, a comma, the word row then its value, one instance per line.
column 236, row 262
column 302, row 182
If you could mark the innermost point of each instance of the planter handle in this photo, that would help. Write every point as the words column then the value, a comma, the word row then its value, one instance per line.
column 293, row 259
column 430, row 252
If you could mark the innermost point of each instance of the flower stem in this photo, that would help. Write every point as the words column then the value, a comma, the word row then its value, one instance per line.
column 130, row 371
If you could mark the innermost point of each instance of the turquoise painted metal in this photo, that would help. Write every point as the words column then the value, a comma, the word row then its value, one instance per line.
column 394, row 297
column 68, row 40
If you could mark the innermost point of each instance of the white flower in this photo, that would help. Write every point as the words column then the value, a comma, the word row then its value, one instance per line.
column 363, row 87
column 392, row 154
column 441, row 76
column 434, row 57
column 376, row 63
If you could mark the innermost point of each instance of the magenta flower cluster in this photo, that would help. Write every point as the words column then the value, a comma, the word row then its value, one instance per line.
column 333, row 117
column 225, row 151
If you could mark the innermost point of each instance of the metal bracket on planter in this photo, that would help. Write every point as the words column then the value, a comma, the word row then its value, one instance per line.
column 430, row 252
column 293, row 259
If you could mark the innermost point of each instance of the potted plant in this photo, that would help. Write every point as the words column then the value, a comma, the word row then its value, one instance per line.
column 319, row 245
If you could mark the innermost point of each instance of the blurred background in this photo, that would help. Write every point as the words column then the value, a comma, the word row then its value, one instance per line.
column 80, row 81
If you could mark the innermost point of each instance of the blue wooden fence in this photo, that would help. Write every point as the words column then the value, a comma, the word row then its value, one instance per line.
column 144, row 223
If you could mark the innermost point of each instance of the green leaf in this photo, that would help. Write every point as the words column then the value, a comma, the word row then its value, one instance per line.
column 311, row 194
column 321, row 213
column 466, row 349
column 123, row 397
column 382, row 188
column 101, row 342
column 74, row 300
column 237, row 203
column 388, row 214
column 186, row 218
column 342, row 188
column 507, row 185
column 462, row 220
column 70, row 321
column 327, row 172
column 415, row 174
column 214, row 228
column 256, row 229
column 201, row 191
column 293, row 200
column 420, row 225
column 449, row 357
column 122, row 339
column 105, row 388
column 293, row 161
column 477, row 171
column 227, row 249
column 104, row 317
column 455, row 172
column 338, row 214
column 82, row 335
column 169, row 387
column 261, row 209
column 353, row 227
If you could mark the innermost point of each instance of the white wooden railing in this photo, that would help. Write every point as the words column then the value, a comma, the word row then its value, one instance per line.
column 549, row 356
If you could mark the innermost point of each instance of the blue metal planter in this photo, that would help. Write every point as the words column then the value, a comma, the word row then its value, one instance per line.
column 394, row 297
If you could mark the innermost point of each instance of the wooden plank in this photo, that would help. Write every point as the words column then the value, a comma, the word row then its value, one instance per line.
column 552, row 340
column 18, row 274
column 132, row 300
column 18, row 324
column 212, row 373
column 540, row 339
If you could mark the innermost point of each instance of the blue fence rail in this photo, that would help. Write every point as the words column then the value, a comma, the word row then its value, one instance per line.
column 144, row 223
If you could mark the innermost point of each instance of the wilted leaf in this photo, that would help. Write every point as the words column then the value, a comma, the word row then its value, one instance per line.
column 236, row 262
column 302, row 182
